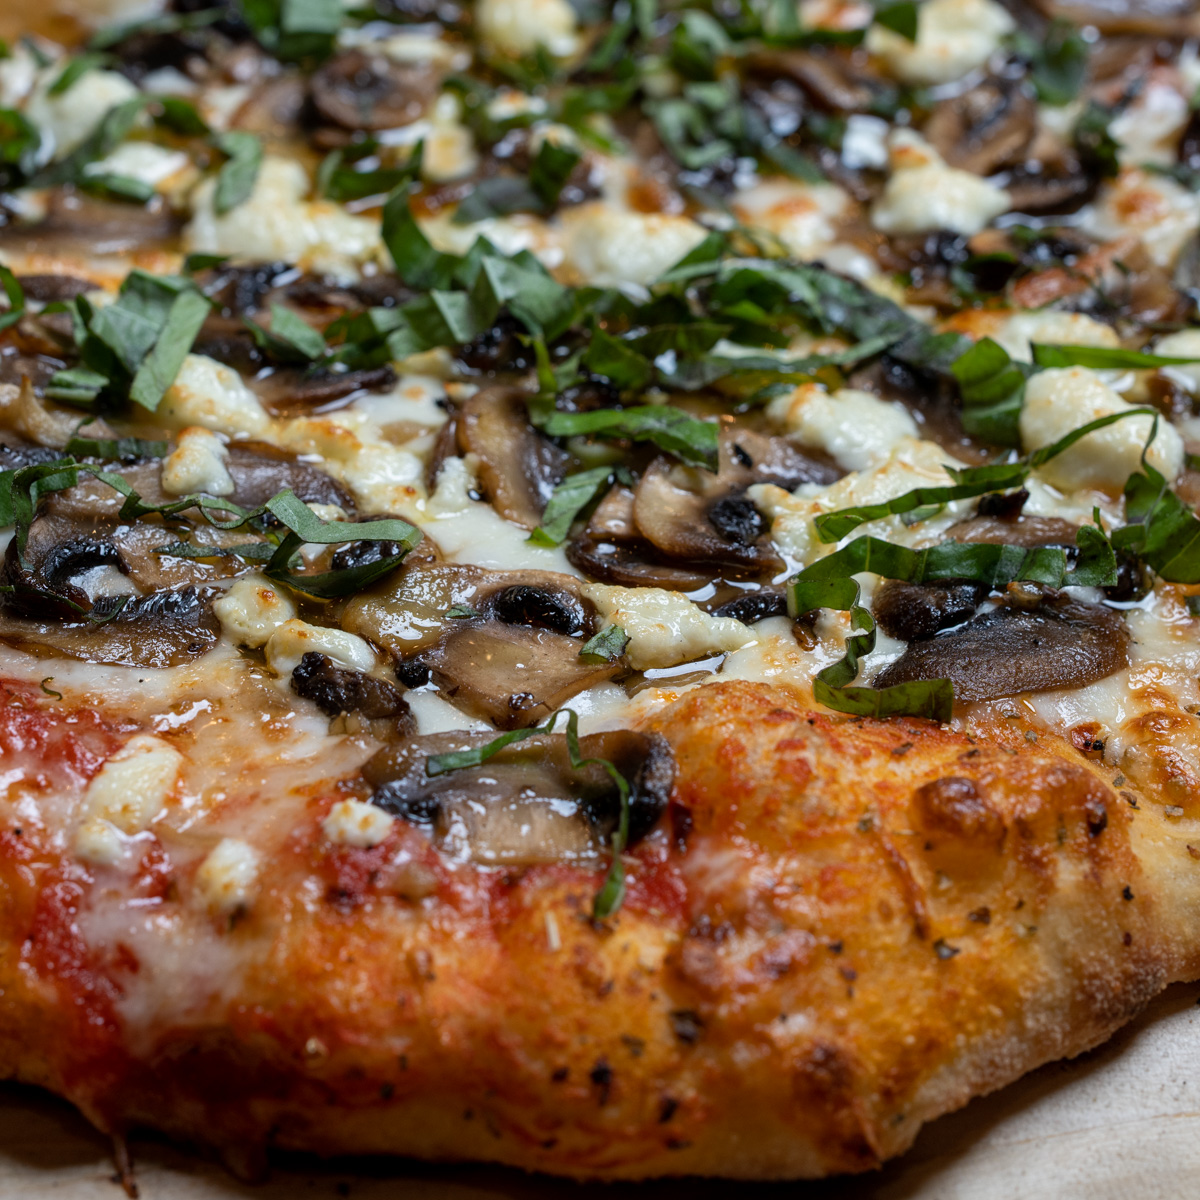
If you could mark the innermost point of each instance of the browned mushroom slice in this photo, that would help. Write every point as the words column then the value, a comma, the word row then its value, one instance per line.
column 50, row 288
column 162, row 630
column 1155, row 18
column 828, row 79
column 1017, row 531
column 696, row 516
column 291, row 392
column 527, row 804
column 1011, row 650
column 612, row 549
column 508, row 674
column 260, row 471
column 1058, row 187
column 274, row 107
column 518, row 468
column 358, row 90
column 916, row 611
column 80, row 226
column 376, row 706
column 988, row 127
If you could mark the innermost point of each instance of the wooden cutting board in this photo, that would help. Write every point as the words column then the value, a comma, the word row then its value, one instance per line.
column 1121, row 1123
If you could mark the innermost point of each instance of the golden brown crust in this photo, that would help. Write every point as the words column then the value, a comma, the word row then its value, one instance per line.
column 845, row 928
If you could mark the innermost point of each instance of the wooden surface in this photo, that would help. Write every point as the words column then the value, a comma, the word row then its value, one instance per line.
column 1121, row 1123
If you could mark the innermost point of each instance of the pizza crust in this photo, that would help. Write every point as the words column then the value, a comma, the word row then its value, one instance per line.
column 845, row 928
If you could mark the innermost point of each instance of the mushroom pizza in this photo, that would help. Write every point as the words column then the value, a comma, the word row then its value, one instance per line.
column 611, row 587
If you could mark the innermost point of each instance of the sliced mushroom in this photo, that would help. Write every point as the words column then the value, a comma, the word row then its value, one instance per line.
column 518, row 468
column 274, row 108
column 260, row 471
column 527, row 804
column 1017, row 531
column 916, row 611
column 81, row 226
column 988, row 127
column 359, row 90
column 695, row 516
column 612, row 549
column 1011, row 650
column 831, row 80
column 46, row 289
column 1155, row 18
column 162, row 630
column 292, row 392
column 503, row 645
column 751, row 607
column 44, row 579
column 340, row 694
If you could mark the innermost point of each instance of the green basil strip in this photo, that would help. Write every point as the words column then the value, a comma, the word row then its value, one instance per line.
column 567, row 501
column 236, row 179
column 115, row 187
column 126, row 450
column 16, row 298
column 969, row 482
column 110, row 35
column 76, row 69
column 930, row 698
column 691, row 440
column 1162, row 530
column 1102, row 357
column 161, row 366
column 992, row 387
column 291, row 338
column 612, row 892
column 899, row 17
column 606, row 646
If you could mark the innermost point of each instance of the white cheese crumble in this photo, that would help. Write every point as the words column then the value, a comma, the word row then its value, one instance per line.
column 608, row 248
column 155, row 166
column 864, row 143
column 252, row 609
column 1017, row 332
column 295, row 638
column 1148, row 129
column 67, row 119
column 1062, row 399
column 197, row 464
column 665, row 628
column 227, row 878
column 277, row 221
column 519, row 27
column 1152, row 208
column 924, row 194
column 449, row 146
column 209, row 394
column 354, row 823
column 802, row 216
column 1184, row 344
column 953, row 38
column 911, row 464
column 131, row 789
column 858, row 429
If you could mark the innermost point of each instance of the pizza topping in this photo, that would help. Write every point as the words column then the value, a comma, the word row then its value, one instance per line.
column 356, row 823
column 1060, row 644
column 913, row 612
column 227, row 879
column 337, row 692
column 360, row 90
column 528, row 803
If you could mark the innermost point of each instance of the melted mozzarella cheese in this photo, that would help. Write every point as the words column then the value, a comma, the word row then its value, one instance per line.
column 65, row 120
column 858, row 429
column 911, row 464
column 519, row 27
column 208, row 394
column 924, row 194
column 803, row 216
column 954, row 37
column 1060, row 400
column 664, row 628
column 292, row 640
column 278, row 221
column 197, row 464
column 252, row 610
column 155, row 166
column 607, row 248
column 1156, row 210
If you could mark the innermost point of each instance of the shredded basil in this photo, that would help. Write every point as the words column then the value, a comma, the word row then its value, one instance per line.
column 236, row 179
column 1102, row 357
column 692, row 440
column 900, row 18
column 1162, row 530
column 16, row 298
column 295, row 30
column 968, row 482
column 76, row 69
column 125, row 450
column 290, row 339
column 115, row 187
column 568, row 500
column 20, row 142
column 113, row 129
column 1058, row 62
column 608, row 899
column 606, row 646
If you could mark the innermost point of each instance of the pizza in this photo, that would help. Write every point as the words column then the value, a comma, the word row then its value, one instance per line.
column 604, row 587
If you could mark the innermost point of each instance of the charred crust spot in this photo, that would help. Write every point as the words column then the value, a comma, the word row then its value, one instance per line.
column 1127, row 893
column 687, row 1026
column 667, row 1108
column 1095, row 813
column 559, row 1074
column 601, row 1076
column 955, row 806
